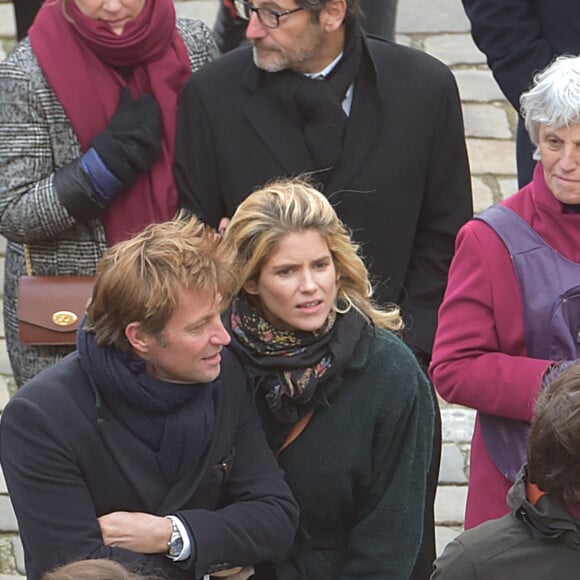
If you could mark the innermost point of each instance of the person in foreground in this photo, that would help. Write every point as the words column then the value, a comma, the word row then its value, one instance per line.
column 322, row 358
column 145, row 445
column 540, row 538
column 88, row 114
column 512, row 306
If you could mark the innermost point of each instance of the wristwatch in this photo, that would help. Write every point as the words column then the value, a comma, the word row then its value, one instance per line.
column 175, row 543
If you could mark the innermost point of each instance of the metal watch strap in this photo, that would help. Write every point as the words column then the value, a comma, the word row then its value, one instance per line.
column 175, row 543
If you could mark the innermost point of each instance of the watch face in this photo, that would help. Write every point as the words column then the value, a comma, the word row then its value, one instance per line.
column 176, row 542
column 176, row 545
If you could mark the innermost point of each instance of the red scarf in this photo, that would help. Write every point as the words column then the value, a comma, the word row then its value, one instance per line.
column 79, row 60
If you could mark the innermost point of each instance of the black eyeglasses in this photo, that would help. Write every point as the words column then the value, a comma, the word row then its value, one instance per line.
column 267, row 16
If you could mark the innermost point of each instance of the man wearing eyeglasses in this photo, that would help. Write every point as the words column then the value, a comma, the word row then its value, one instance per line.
column 377, row 125
column 229, row 29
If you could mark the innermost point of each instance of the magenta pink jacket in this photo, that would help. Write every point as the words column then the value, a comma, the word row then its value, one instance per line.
column 479, row 357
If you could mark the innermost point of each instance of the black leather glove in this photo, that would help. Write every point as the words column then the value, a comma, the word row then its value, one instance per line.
column 76, row 192
column 132, row 142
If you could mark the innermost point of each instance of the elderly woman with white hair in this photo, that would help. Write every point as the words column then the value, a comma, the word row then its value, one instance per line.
column 512, row 307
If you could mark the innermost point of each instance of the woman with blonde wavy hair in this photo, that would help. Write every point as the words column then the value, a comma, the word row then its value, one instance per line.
column 342, row 399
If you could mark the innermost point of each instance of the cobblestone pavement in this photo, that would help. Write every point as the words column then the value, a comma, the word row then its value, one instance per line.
column 441, row 29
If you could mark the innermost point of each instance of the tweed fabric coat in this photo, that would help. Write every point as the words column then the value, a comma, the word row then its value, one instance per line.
column 36, row 139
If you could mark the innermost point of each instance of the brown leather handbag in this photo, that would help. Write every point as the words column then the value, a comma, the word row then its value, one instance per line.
column 50, row 308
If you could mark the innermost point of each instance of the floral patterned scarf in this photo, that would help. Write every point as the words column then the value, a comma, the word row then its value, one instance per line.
column 288, row 366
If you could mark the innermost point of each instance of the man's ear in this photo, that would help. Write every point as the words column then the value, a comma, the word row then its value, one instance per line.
column 138, row 339
column 332, row 15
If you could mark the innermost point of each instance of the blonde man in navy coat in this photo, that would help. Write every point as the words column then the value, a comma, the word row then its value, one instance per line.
column 144, row 446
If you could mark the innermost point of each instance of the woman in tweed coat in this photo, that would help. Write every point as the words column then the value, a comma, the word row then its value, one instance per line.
column 66, row 207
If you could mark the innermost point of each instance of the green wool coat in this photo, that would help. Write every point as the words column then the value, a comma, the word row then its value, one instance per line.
column 359, row 468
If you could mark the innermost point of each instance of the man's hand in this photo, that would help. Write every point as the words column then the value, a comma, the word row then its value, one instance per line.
column 136, row 531
column 223, row 225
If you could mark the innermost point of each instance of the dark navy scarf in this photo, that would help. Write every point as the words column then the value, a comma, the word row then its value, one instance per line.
column 174, row 420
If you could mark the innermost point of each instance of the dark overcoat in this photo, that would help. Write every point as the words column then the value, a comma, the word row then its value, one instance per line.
column 67, row 461
column 402, row 184
column 359, row 468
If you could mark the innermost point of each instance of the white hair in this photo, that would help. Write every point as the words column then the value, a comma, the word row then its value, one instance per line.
column 554, row 99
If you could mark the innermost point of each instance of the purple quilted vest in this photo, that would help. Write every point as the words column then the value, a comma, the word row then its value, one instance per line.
column 550, row 288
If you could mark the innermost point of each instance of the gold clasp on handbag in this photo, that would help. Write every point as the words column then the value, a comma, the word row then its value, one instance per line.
column 64, row 318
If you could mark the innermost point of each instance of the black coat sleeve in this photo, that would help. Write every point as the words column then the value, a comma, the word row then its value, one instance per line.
column 510, row 34
column 446, row 206
column 56, row 515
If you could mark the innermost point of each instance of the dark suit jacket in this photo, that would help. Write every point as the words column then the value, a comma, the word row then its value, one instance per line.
column 67, row 461
column 402, row 184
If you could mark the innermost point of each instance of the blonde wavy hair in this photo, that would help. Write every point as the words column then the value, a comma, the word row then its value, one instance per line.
column 290, row 206
column 99, row 569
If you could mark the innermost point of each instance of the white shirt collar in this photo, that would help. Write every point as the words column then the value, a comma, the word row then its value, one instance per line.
column 347, row 102
column 325, row 71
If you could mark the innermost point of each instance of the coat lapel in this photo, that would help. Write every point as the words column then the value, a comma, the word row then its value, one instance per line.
column 361, row 130
column 284, row 140
column 281, row 137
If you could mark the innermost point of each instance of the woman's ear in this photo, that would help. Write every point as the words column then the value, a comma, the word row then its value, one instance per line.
column 251, row 287
column 138, row 339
